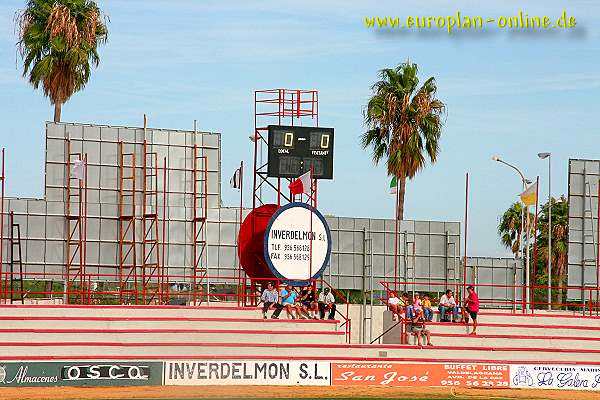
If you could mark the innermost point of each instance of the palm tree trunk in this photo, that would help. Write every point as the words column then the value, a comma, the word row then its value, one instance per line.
column 57, row 111
column 401, row 193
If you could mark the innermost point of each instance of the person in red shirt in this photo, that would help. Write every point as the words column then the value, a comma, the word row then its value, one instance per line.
column 472, row 306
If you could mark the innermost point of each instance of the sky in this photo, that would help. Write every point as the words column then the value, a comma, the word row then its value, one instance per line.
column 511, row 94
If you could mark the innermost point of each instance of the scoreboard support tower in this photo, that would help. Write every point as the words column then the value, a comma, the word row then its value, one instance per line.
column 291, row 107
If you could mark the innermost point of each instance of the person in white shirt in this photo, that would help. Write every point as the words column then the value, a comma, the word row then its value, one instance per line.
column 395, row 306
column 326, row 302
column 448, row 303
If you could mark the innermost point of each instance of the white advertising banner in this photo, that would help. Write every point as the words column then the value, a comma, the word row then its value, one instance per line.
column 540, row 376
column 297, row 243
column 241, row 372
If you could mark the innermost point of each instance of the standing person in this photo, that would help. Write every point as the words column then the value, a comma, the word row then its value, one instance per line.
column 472, row 306
column 288, row 301
column 448, row 303
column 326, row 302
column 417, row 327
column 270, row 298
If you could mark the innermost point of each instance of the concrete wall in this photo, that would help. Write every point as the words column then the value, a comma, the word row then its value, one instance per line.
column 583, row 225
column 363, row 248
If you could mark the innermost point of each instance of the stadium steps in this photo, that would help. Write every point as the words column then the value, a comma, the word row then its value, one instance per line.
column 218, row 331
column 551, row 342
column 170, row 335
column 79, row 350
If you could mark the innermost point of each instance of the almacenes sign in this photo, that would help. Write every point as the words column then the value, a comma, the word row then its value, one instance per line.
column 80, row 374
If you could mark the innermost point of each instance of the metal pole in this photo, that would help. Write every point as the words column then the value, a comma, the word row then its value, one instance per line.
column 2, row 287
column 466, row 234
column 527, row 266
column 524, row 181
column 397, row 201
column 241, row 290
column 550, row 231
column 364, row 288
column 597, row 255
column 535, row 226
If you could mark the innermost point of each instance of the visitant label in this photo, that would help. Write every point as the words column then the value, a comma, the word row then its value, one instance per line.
column 540, row 376
column 396, row 374
column 264, row 372
column 297, row 243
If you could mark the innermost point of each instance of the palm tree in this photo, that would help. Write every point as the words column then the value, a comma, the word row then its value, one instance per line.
column 560, row 241
column 404, row 124
column 58, row 42
column 510, row 227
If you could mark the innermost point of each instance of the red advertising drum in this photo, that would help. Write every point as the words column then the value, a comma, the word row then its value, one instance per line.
column 251, row 241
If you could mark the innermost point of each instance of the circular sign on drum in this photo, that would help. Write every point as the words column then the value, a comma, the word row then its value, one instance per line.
column 297, row 243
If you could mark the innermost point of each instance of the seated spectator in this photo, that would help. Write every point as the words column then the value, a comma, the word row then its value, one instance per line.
column 326, row 302
column 418, row 329
column 416, row 301
column 413, row 306
column 288, row 301
column 405, row 304
column 472, row 306
column 307, row 302
column 427, row 311
column 394, row 305
column 270, row 299
column 448, row 303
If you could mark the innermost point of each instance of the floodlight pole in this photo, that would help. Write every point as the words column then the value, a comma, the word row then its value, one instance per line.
column 549, row 157
column 524, row 181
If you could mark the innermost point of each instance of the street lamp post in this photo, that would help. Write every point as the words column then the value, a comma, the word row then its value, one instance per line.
column 524, row 181
column 549, row 157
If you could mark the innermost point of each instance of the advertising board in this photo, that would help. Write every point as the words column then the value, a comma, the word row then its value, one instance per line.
column 240, row 372
column 297, row 243
column 396, row 374
column 540, row 376
column 80, row 374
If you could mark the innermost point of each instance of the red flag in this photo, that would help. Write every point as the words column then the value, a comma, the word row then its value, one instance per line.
column 301, row 185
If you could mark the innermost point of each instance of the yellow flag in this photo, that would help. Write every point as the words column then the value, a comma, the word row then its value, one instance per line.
column 529, row 196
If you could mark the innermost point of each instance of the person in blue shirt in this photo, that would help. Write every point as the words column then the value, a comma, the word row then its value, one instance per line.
column 288, row 301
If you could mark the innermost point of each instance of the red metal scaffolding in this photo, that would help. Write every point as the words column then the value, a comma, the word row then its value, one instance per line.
column 200, row 205
column 75, row 215
column 152, row 271
column 16, row 258
column 128, row 274
column 2, row 179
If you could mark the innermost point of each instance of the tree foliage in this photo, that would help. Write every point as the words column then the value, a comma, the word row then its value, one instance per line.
column 404, row 123
column 58, row 44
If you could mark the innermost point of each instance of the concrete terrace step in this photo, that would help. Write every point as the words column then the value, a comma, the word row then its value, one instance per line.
column 525, row 329
column 169, row 335
column 165, row 323
column 541, row 319
column 550, row 342
column 250, row 350
column 228, row 311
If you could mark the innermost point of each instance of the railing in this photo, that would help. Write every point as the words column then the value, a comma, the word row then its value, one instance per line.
column 347, row 324
column 240, row 292
column 588, row 306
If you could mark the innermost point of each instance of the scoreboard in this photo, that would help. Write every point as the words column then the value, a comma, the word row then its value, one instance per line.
column 292, row 150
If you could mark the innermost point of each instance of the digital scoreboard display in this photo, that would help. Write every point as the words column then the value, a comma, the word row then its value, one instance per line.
column 294, row 149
